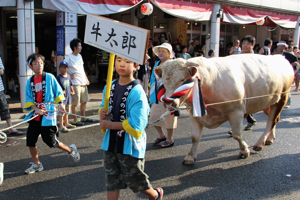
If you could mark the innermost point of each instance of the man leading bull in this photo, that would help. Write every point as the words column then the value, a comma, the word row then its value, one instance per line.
column 164, row 53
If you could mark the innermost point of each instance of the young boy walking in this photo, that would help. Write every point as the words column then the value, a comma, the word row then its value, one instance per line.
column 64, row 80
column 41, row 90
column 124, row 143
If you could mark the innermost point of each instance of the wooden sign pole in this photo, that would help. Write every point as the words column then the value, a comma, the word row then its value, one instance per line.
column 108, row 83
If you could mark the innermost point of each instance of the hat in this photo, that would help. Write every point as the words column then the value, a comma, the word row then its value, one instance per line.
column 283, row 43
column 163, row 45
column 63, row 63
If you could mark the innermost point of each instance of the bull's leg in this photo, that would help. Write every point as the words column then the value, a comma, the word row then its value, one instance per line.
column 197, row 130
column 269, row 135
column 236, row 122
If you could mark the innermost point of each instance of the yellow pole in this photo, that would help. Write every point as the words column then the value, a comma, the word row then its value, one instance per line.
column 108, row 83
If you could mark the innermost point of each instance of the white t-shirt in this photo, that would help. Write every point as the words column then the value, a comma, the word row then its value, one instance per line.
column 76, row 67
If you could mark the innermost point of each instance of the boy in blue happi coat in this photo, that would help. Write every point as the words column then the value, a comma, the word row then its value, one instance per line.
column 42, row 89
column 124, row 143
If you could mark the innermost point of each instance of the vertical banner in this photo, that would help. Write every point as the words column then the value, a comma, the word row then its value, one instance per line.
column 182, row 33
column 60, row 45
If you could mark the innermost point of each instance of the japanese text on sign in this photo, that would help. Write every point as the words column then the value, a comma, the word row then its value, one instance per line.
column 116, row 37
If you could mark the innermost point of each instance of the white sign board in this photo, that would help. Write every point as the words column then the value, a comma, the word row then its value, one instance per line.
column 119, row 38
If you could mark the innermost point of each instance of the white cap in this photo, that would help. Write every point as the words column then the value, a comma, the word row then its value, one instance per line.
column 282, row 43
column 163, row 45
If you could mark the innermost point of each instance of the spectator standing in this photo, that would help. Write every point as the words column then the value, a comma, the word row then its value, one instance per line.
column 191, row 50
column 248, row 43
column 266, row 50
column 64, row 81
column 184, row 53
column 79, row 81
column 293, row 60
column 4, row 111
column 235, row 49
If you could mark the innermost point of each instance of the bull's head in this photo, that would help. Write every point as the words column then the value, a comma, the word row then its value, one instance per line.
column 173, row 74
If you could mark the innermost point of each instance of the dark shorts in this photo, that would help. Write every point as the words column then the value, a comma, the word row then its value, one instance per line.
column 4, row 111
column 49, row 134
column 124, row 170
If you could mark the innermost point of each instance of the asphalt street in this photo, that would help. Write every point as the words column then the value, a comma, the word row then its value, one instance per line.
column 218, row 173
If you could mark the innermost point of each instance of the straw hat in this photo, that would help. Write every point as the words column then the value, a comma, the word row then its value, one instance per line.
column 163, row 45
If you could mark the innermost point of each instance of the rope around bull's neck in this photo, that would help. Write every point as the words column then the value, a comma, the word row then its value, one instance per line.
column 3, row 136
column 164, row 115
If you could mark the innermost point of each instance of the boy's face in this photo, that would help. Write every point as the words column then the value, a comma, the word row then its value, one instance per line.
column 37, row 66
column 78, row 48
column 63, row 69
column 124, row 67
column 247, row 46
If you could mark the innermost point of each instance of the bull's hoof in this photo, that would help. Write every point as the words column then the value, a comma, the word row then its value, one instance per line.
column 244, row 155
column 188, row 162
column 269, row 142
column 257, row 148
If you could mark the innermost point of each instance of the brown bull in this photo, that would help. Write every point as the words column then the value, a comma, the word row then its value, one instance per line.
column 233, row 78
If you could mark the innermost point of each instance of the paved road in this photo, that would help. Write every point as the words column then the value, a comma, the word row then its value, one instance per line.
column 217, row 174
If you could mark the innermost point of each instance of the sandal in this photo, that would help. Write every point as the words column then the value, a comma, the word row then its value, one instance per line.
column 158, row 140
column 64, row 130
column 71, row 126
column 167, row 144
column 160, row 193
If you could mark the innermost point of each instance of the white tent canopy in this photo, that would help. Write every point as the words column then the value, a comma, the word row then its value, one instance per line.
column 185, row 9
column 98, row 7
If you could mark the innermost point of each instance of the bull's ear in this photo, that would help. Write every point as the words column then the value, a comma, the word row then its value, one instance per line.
column 192, row 70
column 158, row 72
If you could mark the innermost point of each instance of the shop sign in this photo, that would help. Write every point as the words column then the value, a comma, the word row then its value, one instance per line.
column 116, row 37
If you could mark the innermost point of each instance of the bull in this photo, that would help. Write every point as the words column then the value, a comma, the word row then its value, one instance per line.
column 227, row 84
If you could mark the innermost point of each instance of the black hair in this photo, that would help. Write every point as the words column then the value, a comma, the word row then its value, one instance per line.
column 74, row 43
column 34, row 57
column 210, row 52
column 267, row 42
column 249, row 38
column 183, row 47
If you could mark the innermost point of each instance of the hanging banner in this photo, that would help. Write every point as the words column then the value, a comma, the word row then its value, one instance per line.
column 182, row 33
column 98, row 7
column 185, row 9
column 119, row 38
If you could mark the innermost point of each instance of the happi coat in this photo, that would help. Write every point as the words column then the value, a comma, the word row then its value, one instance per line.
column 53, row 93
column 137, row 110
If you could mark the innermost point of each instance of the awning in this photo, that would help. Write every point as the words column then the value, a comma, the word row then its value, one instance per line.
column 98, row 7
column 247, row 16
column 185, row 9
column 5, row 3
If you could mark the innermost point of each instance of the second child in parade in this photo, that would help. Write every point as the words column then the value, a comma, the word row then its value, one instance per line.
column 124, row 143
column 41, row 90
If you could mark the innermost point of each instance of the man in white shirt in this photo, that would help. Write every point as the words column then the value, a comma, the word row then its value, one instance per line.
column 79, row 81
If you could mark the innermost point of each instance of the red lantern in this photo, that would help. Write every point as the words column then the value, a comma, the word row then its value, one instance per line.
column 260, row 22
column 146, row 9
